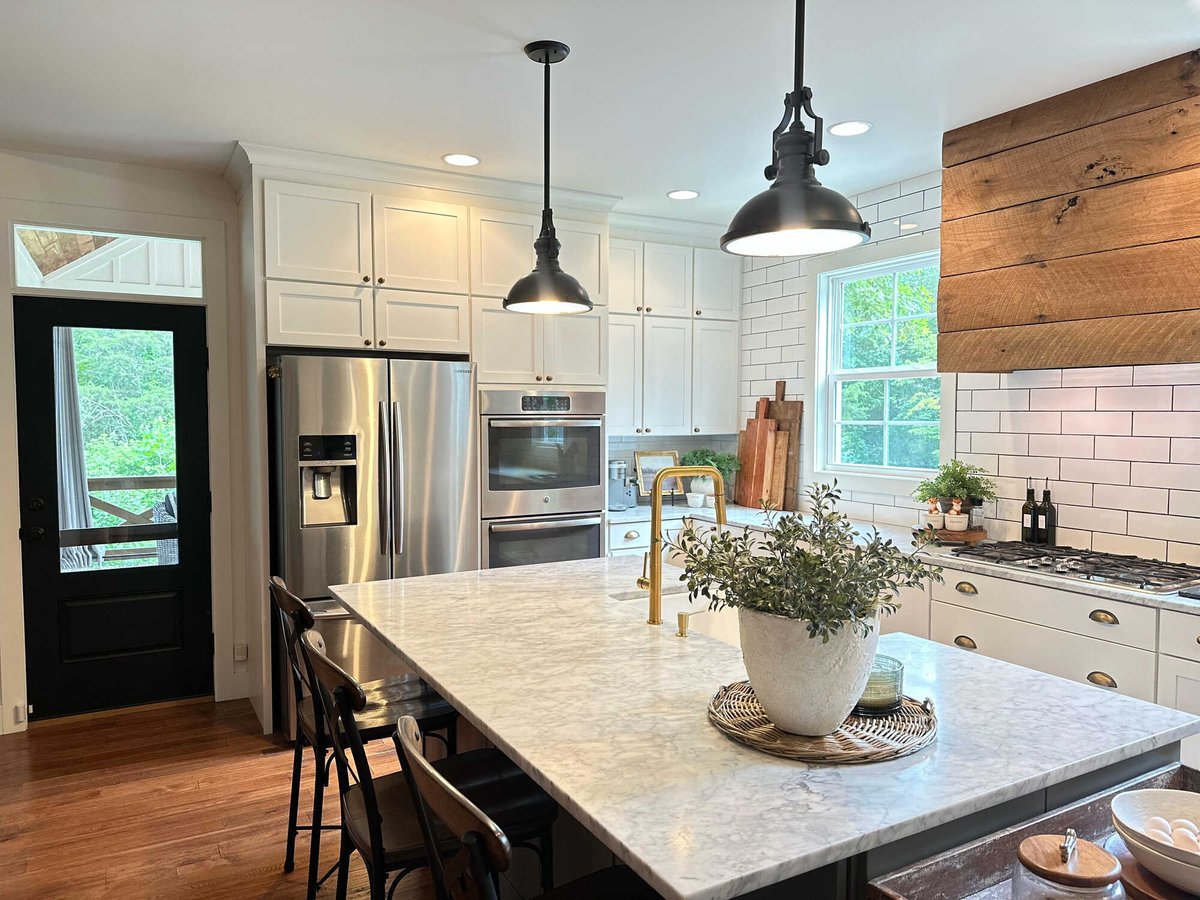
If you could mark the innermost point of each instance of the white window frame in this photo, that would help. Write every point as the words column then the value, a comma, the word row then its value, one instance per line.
column 828, row 372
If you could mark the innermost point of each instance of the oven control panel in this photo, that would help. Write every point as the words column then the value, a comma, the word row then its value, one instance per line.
column 543, row 403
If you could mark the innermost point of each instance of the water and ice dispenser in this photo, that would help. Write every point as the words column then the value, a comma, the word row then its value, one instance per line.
column 328, row 471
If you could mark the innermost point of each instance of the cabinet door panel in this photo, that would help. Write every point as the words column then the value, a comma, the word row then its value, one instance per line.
column 318, row 315
column 582, row 256
column 667, row 279
column 577, row 348
column 624, row 276
column 666, row 387
column 422, row 322
column 503, row 249
column 913, row 615
column 420, row 245
column 317, row 233
column 507, row 346
column 717, row 284
column 1179, row 688
column 715, row 377
column 624, row 401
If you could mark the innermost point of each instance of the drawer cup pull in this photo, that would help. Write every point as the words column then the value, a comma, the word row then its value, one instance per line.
column 1104, row 617
column 1102, row 678
column 963, row 641
column 632, row 535
column 965, row 587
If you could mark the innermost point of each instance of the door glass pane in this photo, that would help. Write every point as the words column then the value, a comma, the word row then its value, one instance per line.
column 542, row 457
column 115, row 426
column 75, row 260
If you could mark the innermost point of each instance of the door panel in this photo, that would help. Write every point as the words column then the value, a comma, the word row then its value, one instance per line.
column 624, row 276
column 714, row 377
column 421, row 245
column 318, row 315
column 576, row 349
column 582, row 256
column 507, row 346
column 624, row 374
column 502, row 249
column 423, row 322
column 667, row 280
column 317, row 233
column 115, row 517
column 666, row 388
column 717, row 283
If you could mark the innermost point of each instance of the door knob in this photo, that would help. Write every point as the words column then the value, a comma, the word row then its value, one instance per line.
column 31, row 534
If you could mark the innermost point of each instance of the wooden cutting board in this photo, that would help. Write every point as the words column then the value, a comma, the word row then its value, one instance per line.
column 789, row 414
column 757, row 455
column 779, row 467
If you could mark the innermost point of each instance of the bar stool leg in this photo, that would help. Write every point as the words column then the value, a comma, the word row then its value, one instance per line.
column 314, row 847
column 289, row 861
column 343, row 866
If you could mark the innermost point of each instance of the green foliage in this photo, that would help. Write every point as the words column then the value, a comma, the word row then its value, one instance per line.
column 806, row 567
column 725, row 463
column 956, row 478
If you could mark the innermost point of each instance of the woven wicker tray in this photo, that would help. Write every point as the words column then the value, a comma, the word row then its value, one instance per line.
column 736, row 711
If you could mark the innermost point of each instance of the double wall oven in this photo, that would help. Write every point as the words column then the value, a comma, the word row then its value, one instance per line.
column 542, row 480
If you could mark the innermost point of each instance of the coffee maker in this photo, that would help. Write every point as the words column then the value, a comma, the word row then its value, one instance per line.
column 621, row 494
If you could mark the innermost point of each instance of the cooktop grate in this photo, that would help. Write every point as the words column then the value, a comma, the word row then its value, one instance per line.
column 1131, row 572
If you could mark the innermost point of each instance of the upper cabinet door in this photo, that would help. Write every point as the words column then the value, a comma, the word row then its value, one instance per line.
column 507, row 346
column 714, row 377
column 422, row 321
column 582, row 256
column 421, row 245
column 624, row 276
column 624, row 398
column 667, row 284
column 577, row 347
column 319, row 315
column 503, row 249
column 317, row 233
column 666, row 387
column 717, row 287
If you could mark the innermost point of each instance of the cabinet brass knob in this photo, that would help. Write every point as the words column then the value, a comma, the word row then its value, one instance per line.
column 639, row 431
column 381, row 281
column 1102, row 678
column 963, row 641
column 632, row 535
column 366, row 279
column 383, row 343
column 649, row 309
column 697, row 430
column 647, row 431
column 549, row 377
column 699, row 313
column 1104, row 617
column 537, row 377
column 367, row 343
column 965, row 587
column 639, row 309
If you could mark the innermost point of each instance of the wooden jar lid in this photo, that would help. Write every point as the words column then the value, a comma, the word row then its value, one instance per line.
column 1089, row 866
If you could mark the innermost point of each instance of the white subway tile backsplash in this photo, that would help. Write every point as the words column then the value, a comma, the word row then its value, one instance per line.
column 1133, row 448
column 1078, row 493
column 1183, row 553
column 1062, row 398
column 1166, row 475
column 978, row 421
column 1131, row 546
column 1001, row 530
column 1178, row 373
column 1107, row 375
column 1012, row 488
column 1187, row 503
column 783, row 337
column 901, row 206
column 1087, row 518
column 783, row 271
column 1081, row 445
column 768, row 291
column 1031, row 422
column 885, row 229
column 766, row 323
column 933, row 198
column 986, row 461
column 1015, row 444
column 978, row 381
column 896, row 515
column 1029, row 467
column 753, row 278
column 962, row 442
column 1097, row 471
column 766, row 355
column 926, row 220
column 1170, row 528
column 1097, row 422
column 1032, row 378
column 1187, row 396
column 887, row 192
column 1001, row 399
column 1134, row 398
column 793, row 319
column 1069, row 537
column 962, row 400
column 1119, row 496
column 1185, row 450
column 753, row 341
column 1167, row 424
column 924, row 182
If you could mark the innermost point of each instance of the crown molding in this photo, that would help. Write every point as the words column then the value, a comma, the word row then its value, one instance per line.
column 245, row 155
column 639, row 227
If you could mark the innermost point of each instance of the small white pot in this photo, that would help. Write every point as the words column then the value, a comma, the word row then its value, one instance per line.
column 702, row 484
column 957, row 523
column 805, row 686
column 935, row 520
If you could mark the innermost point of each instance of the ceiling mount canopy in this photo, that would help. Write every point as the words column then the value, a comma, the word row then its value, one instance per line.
column 796, row 215
column 547, row 289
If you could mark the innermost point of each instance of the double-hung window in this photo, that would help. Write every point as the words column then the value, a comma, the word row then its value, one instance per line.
column 880, row 409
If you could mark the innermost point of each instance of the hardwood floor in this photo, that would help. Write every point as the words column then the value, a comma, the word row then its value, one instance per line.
column 179, row 801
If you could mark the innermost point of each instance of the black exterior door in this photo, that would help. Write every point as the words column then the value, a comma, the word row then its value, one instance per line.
column 112, row 425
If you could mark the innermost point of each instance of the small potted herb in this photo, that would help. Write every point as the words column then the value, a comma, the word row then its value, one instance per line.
column 725, row 463
column 809, row 593
column 956, row 480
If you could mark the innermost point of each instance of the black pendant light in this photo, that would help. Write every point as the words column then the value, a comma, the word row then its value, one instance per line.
column 547, row 289
column 796, row 215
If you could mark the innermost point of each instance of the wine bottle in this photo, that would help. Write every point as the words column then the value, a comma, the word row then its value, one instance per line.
column 1047, row 519
column 1029, row 515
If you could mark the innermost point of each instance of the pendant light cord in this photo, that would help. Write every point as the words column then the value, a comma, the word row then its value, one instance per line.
column 798, row 87
column 546, row 114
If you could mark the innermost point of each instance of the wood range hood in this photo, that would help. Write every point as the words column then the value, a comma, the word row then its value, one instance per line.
column 1071, row 228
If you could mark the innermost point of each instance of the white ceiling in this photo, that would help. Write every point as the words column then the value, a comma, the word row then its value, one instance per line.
column 657, row 94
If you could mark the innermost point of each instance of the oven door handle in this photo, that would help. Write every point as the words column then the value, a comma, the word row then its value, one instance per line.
column 544, row 525
column 544, row 423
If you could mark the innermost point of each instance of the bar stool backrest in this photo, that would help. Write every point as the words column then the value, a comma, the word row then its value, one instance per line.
column 485, row 848
column 295, row 618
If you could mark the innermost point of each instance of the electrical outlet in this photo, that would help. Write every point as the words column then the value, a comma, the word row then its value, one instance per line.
column 19, row 713
column 240, row 652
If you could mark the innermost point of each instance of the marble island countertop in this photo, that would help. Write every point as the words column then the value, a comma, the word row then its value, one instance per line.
column 608, row 714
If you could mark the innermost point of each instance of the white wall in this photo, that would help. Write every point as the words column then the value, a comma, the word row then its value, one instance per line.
column 54, row 190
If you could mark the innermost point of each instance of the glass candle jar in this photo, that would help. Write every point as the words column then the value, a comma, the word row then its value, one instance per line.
column 885, row 687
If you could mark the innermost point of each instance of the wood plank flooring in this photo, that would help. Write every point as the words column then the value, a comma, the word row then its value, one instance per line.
column 179, row 801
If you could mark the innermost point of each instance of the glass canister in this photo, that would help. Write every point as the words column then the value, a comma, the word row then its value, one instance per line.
column 1058, row 867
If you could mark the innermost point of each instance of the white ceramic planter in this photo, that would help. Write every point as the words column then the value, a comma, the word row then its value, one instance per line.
column 702, row 484
column 805, row 686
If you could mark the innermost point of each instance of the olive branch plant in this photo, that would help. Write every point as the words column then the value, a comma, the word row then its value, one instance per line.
column 811, row 567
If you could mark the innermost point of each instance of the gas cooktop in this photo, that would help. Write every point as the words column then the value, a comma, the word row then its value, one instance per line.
column 1131, row 572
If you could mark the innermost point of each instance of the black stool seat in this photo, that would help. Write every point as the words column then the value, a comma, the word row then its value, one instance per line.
column 387, row 698
column 615, row 883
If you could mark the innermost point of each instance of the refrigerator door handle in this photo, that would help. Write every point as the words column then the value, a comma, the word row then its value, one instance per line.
column 385, row 481
column 398, row 479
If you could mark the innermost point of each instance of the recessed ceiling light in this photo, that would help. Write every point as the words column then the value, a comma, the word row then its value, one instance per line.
column 460, row 159
column 850, row 128
column 683, row 195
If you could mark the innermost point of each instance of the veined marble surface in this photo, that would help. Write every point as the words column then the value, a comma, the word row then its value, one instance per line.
column 608, row 714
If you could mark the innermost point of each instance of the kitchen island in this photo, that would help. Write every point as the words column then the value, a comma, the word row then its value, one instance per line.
column 608, row 714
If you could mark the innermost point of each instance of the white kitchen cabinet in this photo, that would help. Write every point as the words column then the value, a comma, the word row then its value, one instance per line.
column 1179, row 688
column 715, row 377
column 913, row 615
column 576, row 347
column 666, row 370
column 317, row 234
column 502, row 252
column 667, row 280
column 519, row 348
column 422, row 321
column 624, row 276
column 421, row 245
column 319, row 315
column 582, row 255
column 716, row 284
column 624, row 400
column 632, row 536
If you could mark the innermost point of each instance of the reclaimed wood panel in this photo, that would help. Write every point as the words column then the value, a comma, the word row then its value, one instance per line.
column 1130, row 92
column 1150, row 278
column 1145, row 211
column 1151, row 142
column 1152, row 339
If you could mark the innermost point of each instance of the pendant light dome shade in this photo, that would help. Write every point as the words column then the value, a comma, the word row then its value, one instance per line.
column 547, row 290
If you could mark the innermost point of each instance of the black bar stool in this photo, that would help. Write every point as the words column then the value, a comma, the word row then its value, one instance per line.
column 385, row 699
column 379, row 820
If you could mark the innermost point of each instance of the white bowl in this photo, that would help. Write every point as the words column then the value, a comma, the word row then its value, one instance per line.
column 695, row 501
column 957, row 523
column 1180, row 874
column 1131, row 809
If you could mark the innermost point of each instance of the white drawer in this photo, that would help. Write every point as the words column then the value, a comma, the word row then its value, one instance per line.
column 1108, row 620
column 1072, row 656
column 913, row 615
column 628, row 536
column 1179, row 634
